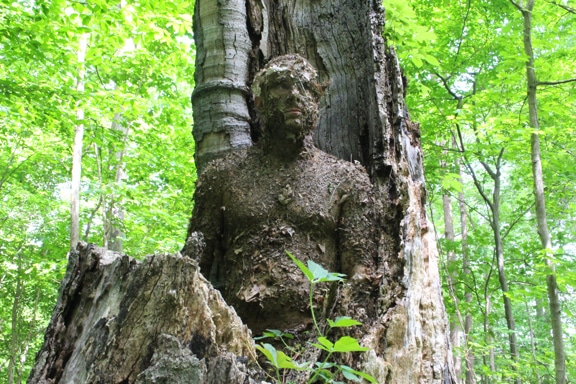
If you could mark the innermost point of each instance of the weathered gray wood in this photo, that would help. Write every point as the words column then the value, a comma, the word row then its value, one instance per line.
column 119, row 320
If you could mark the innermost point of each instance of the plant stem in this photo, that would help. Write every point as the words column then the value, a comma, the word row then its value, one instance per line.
column 317, row 371
column 312, row 309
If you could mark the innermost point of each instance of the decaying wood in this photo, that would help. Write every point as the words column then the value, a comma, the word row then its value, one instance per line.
column 119, row 320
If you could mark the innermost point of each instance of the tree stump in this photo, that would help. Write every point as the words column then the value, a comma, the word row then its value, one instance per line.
column 119, row 320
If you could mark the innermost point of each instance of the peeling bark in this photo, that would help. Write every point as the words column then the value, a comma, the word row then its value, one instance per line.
column 118, row 320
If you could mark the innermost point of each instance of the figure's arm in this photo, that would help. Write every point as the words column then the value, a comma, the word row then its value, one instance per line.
column 358, row 228
column 204, row 237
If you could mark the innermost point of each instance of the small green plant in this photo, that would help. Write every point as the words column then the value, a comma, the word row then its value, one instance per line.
column 325, row 370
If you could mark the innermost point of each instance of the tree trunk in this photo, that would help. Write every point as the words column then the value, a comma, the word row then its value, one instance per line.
column 489, row 358
column 363, row 119
column 452, row 276
column 543, row 232
column 470, row 372
column 508, row 313
column 113, row 238
column 118, row 320
column 77, row 148
column 161, row 317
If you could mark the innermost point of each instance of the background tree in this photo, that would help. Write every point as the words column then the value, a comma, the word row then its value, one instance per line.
column 475, row 80
column 38, row 103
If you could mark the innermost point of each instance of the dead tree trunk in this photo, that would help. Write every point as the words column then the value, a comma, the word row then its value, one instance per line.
column 118, row 320
column 363, row 118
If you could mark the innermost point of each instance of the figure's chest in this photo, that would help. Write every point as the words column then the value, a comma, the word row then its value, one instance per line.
column 295, row 194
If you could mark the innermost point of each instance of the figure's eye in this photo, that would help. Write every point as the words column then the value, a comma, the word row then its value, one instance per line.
column 285, row 86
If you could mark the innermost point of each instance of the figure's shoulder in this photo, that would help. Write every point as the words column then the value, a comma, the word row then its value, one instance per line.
column 341, row 168
column 225, row 164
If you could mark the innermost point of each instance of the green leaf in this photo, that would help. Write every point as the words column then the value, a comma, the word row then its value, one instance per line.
column 343, row 321
column 350, row 376
column 279, row 359
column 302, row 267
column 269, row 352
column 348, row 344
column 320, row 274
column 431, row 60
column 325, row 344
column 346, row 370
column 274, row 333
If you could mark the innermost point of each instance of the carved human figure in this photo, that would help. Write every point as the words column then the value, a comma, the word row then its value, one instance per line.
column 282, row 194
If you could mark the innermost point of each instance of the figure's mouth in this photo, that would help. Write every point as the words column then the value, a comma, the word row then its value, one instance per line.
column 293, row 111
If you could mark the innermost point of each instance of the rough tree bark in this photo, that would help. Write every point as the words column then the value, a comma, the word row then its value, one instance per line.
column 118, row 320
column 157, row 318
column 363, row 119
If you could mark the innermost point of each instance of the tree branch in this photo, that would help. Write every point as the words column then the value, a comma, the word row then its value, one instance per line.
column 447, row 87
column 556, row 82
column 463, row 30
column 472, row 173
column 517, row 5
column 564, row 7
column 517, row 220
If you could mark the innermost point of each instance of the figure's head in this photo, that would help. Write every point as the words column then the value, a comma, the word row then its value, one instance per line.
column 286, row 93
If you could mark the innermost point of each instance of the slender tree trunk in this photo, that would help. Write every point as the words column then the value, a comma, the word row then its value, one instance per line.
column 542, row 225
column 77, row 149
column 468, row 278
column 509, row 314
column 455, row 325
column 113, row 212
column 15, row 336
column 532, row 345
column 489, row 358
column 494, row 204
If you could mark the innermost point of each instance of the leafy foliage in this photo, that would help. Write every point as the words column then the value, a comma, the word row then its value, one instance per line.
column 138, row 67
column 325, row 370
column 474, row 96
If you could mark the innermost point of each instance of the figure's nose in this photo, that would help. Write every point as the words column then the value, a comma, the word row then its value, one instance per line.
column 294, row 94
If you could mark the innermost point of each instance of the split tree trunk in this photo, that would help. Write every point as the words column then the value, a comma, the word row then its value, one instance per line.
column 160, row 318
column 363, row 119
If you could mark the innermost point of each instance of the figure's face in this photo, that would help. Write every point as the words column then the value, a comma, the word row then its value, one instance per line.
column 290, row 110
